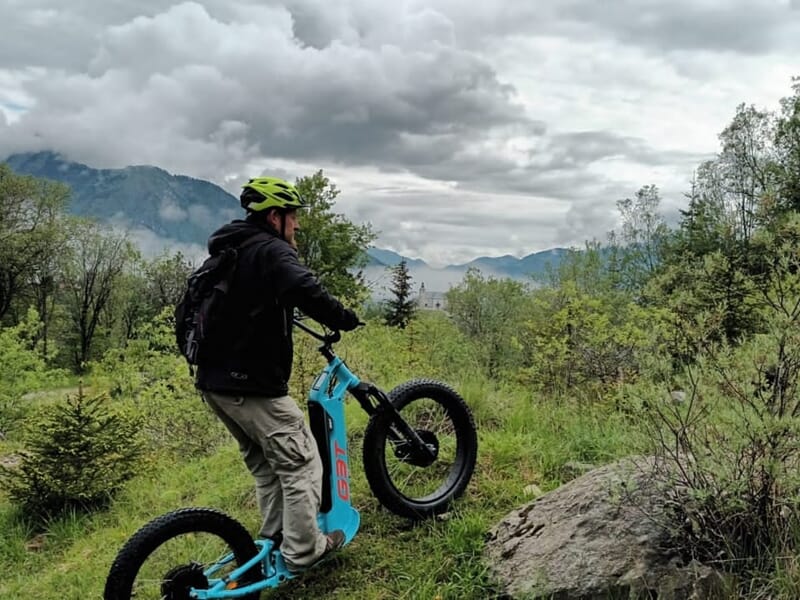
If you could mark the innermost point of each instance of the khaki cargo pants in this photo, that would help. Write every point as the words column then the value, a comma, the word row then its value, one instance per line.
column 280, row 452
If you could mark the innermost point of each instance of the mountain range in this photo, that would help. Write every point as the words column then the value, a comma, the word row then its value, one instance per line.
column 164, row 210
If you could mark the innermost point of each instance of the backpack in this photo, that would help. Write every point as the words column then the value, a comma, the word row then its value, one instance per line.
column 197, row 313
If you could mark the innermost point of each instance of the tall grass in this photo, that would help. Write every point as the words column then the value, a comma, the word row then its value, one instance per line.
column 524, row 439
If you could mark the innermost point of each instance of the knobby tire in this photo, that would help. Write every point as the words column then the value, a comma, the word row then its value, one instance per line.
column 156, row 533
column 436, row 411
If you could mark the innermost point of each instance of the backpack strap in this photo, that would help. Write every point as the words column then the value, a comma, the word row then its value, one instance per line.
column 224, row 284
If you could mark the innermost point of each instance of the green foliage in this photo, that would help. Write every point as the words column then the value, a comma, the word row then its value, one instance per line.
column 77, row 456
column 328, row 243
column 149, row 374
column 401, row 307
column 489, row 312
column 29, row 233
column 730, row 452
column 787, row 150
column 94, row 260
column 22, row 369
column 585, row 330
column 166, row 277
column 728, row 462
column 637, row 251
column 148, row 358
column 142, row 290
column 748, row 190
column 571, row 338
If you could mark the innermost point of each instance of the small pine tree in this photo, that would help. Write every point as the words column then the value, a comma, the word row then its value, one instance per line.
column 402, row 306
column 77, row 456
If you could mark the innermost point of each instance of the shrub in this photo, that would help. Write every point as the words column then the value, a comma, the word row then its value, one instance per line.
column 175, row 419
column 22, row 369
column 572, row 338
column 149, row 358
column 730, row 451
column 149, row 376
column 76, row 457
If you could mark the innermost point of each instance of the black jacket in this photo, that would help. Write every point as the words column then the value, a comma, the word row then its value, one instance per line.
column 251, row 353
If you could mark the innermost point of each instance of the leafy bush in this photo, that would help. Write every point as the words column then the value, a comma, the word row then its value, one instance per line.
column 76, row 457
column 573, row 338
column 149, row 376
column 730, row 452
column 175, row 418
column 150, row 357
column 490, row 312
column 22, row 369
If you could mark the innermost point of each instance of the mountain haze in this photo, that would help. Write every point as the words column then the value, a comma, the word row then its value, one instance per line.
column 176, row 207
column 162, row 210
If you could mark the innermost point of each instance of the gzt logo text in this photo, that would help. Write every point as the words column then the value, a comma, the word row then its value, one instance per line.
column 342, row 474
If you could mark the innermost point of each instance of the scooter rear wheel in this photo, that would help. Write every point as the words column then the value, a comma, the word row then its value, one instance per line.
column 168, row 556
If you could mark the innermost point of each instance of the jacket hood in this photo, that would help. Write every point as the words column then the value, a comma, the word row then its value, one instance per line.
column 233, row 234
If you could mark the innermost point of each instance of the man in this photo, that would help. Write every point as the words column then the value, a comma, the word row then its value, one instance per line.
column 244, row 378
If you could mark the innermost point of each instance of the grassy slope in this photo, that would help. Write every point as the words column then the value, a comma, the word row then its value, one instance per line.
column 522, row 441
column 389, row 558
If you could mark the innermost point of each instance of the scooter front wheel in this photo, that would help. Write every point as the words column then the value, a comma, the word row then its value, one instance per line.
column 180, row 551
column 416, row 484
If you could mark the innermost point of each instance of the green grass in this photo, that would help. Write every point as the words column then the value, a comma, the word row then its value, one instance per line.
column 525, row 442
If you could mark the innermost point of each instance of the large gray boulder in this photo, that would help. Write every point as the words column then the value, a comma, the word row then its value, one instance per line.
column 597, row 537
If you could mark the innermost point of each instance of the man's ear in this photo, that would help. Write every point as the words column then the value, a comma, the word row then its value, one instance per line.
column 272, row 217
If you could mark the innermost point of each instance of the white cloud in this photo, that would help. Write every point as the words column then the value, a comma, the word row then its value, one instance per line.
column 152, row 245
column 458, row 129
column 171, row 211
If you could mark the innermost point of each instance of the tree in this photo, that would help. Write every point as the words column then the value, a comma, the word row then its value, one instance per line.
column 144, row 289
column 787, row 150
column 490, row 311
column 79, row 454
column 94, row 259
column 128, row 304
column 402, row 306
column 328, row 243
column 43, row 277
column 30, row 209
column 638, row 248
column 166, row 279
column 584, row 326
column 747, row 168
column 718, row 259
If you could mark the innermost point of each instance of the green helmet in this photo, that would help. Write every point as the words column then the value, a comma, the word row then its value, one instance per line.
column 263, row 193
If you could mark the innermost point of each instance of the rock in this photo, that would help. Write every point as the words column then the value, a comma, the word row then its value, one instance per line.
column 572, row 469
column 598, row 536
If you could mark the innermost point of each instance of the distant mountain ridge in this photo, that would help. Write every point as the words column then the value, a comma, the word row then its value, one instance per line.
column 507, row 265
column 187, row 210
column 171, row 206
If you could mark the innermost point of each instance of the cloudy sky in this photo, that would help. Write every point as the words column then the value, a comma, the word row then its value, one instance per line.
column 458, row 129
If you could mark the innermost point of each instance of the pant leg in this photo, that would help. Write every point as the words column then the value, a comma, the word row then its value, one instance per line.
column 277, row 426
column 267, row 485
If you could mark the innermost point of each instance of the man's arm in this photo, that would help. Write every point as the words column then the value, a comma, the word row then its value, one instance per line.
column 297, row 286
